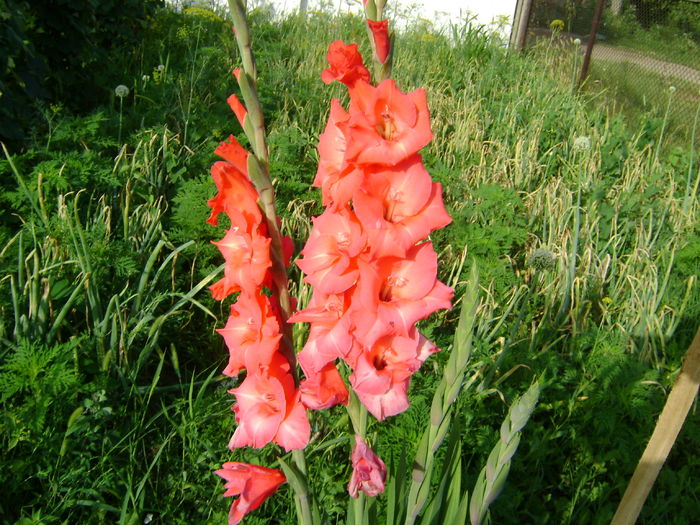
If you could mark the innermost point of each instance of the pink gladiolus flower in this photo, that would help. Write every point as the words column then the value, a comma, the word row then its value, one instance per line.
column 323, row 389
column 335, row 241
column 251, row 333
column 395, row 293
column 399, row 206
column 382, row 373
column 345, row 65
column 386, row 126
column 337, row 179
column 330, row 334
column 253, row 483
column 236, row 194
column 247, row 259
column 369, row 471
column 269, row 409
column 380, row 33
column 373, row 276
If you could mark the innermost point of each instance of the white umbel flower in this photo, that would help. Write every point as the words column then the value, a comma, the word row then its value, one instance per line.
column 582, row 143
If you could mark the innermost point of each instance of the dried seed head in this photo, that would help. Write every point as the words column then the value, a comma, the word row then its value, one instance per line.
column 121, row 91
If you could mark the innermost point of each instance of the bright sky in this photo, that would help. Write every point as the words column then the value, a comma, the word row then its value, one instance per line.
column 484, row 10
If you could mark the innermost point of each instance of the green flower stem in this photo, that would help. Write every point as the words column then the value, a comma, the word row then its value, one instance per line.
column 690, row 188
column 296, row 477
column 121, row 112
column 359, row 508
column 664, row 124
column 569, row 293
column 443, row 402
column 358, row 415
column 493, row 476
column 303, row 495
column 512, row 334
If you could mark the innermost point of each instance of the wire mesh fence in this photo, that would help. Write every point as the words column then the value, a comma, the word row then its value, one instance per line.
column 646, row 51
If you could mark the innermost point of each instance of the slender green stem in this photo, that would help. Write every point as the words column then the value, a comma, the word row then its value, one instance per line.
column 689, row 189
column 191, row 95
column 524, row 307
column 119, row 137
column 303, row 504
column 359, row 507
column 671, row 91
column 358, row 415
column 569, row 293
column 574, row 69
column 260, row 174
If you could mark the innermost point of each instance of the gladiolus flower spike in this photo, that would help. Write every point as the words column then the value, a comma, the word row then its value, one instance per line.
column 373, row 274
column 268, row 404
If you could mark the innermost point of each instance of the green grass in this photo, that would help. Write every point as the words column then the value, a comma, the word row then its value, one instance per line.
column 645, row 102
column 112, row 407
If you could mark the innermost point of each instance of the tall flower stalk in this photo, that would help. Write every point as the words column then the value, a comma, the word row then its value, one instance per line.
column 371, row 266
column 268, row 404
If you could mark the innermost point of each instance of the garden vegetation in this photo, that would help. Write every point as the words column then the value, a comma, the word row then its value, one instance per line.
column 583, row 229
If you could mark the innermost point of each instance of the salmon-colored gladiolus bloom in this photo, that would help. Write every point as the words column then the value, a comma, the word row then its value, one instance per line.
column 395, row 293
column 254, row 484
column 330, row 254
column 386, row 126
column 247, row 257
column 345, row 65
column 269, row 409
column 368, row 470
column 251, row 333
column 380, row 34
column 399, row 206
column 236, row 194
column 323, row 389
column 382, row 373
column 330, row 334
column 337, row 178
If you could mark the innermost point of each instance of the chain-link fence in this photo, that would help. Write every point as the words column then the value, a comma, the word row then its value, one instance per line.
column 646, row 51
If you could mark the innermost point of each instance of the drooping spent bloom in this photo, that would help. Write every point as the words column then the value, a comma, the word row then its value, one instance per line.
column 254, row 484
column 368, row 470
